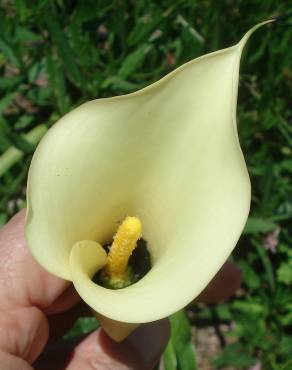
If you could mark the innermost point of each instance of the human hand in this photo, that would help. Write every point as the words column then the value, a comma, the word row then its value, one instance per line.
column 36, row 308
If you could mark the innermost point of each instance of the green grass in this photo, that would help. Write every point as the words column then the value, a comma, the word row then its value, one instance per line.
column 58, row 54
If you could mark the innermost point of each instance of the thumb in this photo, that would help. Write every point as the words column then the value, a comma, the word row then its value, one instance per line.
column 140, row 351
column 11, row 362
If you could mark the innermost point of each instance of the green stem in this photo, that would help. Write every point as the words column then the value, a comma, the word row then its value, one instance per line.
column 13, row 155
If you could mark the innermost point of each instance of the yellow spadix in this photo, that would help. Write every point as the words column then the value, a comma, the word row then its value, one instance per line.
column 168, row 154
column 123, row 245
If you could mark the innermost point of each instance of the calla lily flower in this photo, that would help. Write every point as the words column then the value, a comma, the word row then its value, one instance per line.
column 168, row 154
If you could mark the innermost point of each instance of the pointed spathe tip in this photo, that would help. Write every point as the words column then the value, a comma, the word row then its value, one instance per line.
column 281, row 16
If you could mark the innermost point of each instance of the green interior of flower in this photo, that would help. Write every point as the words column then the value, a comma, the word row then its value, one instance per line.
column 139, row 265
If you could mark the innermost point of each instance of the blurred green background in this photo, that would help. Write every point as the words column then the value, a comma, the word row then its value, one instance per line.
column 55, row 55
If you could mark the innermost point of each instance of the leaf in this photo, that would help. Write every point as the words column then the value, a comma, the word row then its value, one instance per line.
column 36, row 69
column 284, row 272
column 193, row 42
column 6, row 101
column 250, row 277
column 286, row 346
column 133, row 60
column 256, row 225
column 249, row 307
column 21, row 143
column 144, row 26
column 13, row 155
column 118, row 83
column 235, row 355
column 180, row 353
column 9, row 53
column 4, row 143
column 87, row 10
column 22, row 8
column 61, row 41
column 286, row 319
column 266, row 263
column 9, row 82
column 24, row 121
column 25, row 35
column 3, row 219
column 58, row 84
column 82, row 326
column 169, row 357
column 223, row 312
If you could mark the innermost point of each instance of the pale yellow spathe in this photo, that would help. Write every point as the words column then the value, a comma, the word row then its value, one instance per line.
column 168, row 154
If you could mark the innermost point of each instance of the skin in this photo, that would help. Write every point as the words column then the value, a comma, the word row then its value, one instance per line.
column 37, row 308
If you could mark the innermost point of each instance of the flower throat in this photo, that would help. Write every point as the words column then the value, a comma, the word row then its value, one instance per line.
column 128, row 258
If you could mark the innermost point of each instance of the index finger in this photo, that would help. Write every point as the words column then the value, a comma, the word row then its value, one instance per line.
column 24, row 282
